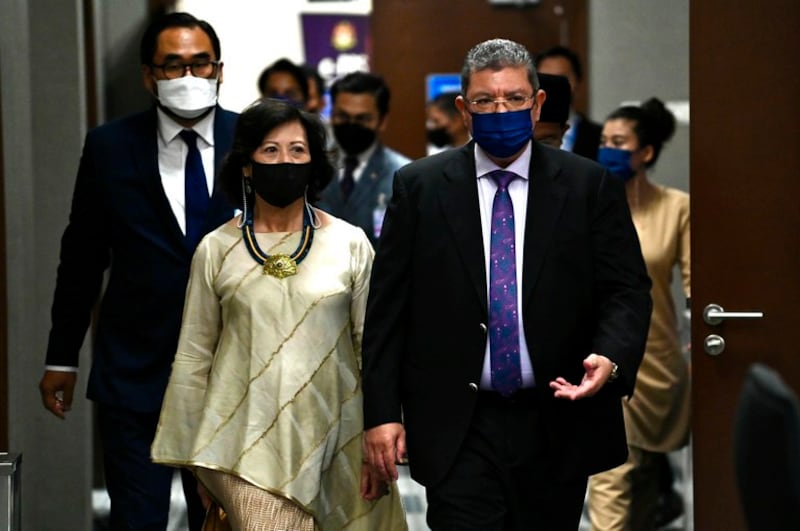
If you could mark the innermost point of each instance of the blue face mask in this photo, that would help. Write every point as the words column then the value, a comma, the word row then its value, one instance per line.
column 617, row 161
column 502, row 134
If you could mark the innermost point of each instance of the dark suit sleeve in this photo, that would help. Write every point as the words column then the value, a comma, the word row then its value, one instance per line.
column 387, row 312
column 622, row 287
column 85, row 255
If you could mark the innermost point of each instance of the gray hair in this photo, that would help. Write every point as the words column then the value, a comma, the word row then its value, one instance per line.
column 496, row 54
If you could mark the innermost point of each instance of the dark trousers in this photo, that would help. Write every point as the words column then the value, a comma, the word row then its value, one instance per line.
column 139, row 489
column 502, row 480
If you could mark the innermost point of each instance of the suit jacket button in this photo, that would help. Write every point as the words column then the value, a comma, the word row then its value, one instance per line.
column 473, row 387
column 483, row 327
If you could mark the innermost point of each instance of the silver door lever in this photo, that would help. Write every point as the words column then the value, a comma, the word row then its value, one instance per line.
column 714, row 314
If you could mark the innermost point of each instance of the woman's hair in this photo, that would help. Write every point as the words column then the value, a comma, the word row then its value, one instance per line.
column 255, row 122
column 653, row 124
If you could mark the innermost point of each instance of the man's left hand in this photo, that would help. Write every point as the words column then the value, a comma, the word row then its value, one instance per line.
column 598, row 370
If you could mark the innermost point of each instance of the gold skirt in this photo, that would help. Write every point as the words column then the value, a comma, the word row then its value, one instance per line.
column 249, row 508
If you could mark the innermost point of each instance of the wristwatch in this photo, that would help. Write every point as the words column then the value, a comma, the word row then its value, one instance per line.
column 614, row 372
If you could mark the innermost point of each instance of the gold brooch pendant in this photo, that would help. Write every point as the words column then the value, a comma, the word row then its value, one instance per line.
column 280, row 266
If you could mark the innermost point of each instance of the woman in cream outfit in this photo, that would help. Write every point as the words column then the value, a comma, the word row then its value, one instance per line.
column 264, row 399
column 657, row 416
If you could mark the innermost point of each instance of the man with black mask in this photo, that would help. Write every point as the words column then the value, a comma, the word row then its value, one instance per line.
column 364, row 185
column 144, row 197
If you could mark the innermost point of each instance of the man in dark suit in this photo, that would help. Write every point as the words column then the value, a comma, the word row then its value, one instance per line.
column 507, row 315
column 364, row 186
column 583, row 135
column 144, row 197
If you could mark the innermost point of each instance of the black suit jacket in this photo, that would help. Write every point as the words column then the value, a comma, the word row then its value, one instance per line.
column 122, row 222
column 585, row 289
column 587, row 138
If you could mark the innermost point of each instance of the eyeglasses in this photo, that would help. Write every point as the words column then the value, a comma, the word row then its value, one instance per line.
column 512, row 103
column 201, row 68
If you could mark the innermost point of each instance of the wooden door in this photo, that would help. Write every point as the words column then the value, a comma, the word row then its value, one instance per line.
column 745, row 189
column 414, row 38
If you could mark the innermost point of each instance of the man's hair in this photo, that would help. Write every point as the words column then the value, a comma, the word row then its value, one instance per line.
column 284, row 65
column 255, row 122
column 364, row 83
column 566, row 53
column 559, row 97
column 313, row 73
column 496, row 54
column 446, row 102
column 147, row 48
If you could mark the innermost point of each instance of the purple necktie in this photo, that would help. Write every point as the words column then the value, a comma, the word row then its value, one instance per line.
column 503, row 323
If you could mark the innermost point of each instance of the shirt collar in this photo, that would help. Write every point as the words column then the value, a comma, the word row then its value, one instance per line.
column 520, row 166
column 364, row 156
column 168, row 128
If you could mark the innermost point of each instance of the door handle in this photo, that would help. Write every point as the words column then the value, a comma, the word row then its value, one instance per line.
column 714, row 314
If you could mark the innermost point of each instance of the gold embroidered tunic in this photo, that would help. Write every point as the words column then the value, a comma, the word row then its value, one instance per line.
column 266, row 380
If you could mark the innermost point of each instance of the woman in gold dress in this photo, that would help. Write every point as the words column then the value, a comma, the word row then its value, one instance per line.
column 264, row 399
column 657, row 415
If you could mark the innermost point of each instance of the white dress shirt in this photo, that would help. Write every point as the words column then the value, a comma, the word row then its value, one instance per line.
column 362, row 157
column 172, row 151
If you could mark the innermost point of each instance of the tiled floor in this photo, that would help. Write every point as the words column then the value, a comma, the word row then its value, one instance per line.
column 413, row 495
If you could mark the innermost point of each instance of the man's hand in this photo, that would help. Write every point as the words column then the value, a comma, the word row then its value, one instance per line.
column 384, row 447
column 56, row 388
column 598, row 370
column 205, row 497
column 372, row 486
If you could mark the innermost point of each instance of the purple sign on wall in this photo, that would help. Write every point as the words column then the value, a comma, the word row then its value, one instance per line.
column 336, row 44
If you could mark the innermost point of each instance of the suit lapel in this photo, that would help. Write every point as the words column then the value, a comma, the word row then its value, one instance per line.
column 459, row 199
column 144, row 146
column 219, row 209
column 545, row 200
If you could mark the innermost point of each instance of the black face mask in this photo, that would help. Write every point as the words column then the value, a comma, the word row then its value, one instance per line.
column 280, row 184
column 353, row 138
column 439, row 137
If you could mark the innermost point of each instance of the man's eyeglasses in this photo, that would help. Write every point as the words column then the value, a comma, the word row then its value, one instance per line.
column 201, row 68
column 512, row 103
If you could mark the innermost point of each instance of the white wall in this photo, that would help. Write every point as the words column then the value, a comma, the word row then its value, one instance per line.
column 43, row 101
column 639, row 49
column 255, row 33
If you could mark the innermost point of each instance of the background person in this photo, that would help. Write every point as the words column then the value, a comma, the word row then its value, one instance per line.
column 284, row 80
column 264, row 399
column 316, row 90
column 144, row 196
column 657, row 416
column 552, row 124
column 583, row 135
column 507, row 315
column 445, row 128
column 363, row 187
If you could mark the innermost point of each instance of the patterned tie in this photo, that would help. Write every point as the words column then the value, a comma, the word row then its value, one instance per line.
column 196, row 191
column 503, row 323
column 348, row 182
